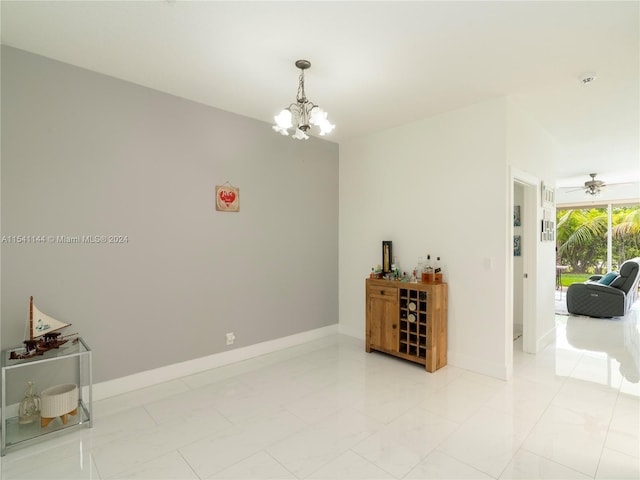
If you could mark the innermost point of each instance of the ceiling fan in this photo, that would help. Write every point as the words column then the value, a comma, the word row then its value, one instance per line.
column 592, row 187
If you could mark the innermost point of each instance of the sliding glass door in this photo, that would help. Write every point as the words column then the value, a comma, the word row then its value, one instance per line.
column 596, row 239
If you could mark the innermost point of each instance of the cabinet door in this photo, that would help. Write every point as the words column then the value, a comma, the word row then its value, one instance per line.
column 383, row 327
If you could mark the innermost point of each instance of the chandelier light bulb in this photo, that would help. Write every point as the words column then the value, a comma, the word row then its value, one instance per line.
column 300, row 114
column 319, row 119
column 283, row 122
column 318, row 116
column 300, row 135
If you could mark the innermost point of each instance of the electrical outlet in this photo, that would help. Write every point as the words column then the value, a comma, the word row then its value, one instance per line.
column 230, row 338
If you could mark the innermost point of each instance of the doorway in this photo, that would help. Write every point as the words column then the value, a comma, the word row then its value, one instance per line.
column 518, row 268
column 524, row 271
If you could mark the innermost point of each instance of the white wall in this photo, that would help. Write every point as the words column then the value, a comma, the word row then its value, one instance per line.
column 435, row 186
column 442, row 186
column 530, row 149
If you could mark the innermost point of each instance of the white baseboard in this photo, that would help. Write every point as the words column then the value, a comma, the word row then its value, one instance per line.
column 546, row 339
column 148, row 378
column 356, row 333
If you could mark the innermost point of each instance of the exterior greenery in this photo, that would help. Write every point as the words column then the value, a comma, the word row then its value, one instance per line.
column 569, row 278
column 582, row 238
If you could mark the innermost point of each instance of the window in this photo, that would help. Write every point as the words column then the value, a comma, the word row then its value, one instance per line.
column 597, row 239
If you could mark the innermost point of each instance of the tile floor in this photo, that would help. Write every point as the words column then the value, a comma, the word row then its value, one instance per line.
column 328, row 410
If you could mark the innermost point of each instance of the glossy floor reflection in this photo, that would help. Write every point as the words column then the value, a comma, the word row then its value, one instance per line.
column 328, row 410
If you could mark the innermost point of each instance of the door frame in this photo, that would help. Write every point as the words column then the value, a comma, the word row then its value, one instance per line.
column 529, row 211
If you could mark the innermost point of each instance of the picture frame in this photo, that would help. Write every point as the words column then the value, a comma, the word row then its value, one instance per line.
column 517, row 245
column 547, row 196
column 227, row 198
column 548, row 230
column 517, row 221
column 387, row 256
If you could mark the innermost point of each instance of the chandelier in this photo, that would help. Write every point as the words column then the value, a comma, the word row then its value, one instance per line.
column 302, row 113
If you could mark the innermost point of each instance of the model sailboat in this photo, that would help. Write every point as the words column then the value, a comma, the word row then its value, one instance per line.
column 44, row 334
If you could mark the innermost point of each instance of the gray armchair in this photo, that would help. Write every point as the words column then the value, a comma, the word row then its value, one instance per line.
column 597, row 300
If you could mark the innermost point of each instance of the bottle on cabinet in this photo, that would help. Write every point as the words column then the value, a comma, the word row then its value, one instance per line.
column 417, row 272
column 395, row 268
column 437, row 273
column 427, row 272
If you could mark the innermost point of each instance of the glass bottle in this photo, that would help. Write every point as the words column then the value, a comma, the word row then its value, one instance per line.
column 438, row 271
column 427, row 273
column 417, row 272
column 29, row 408
column 395, row 268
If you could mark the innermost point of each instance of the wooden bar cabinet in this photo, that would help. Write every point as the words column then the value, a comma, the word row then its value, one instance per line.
column 408, row 320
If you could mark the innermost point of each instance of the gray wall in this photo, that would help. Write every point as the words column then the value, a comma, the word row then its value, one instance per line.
column 87, row 154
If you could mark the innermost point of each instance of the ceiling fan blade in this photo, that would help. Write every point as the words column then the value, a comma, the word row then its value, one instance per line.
column 575, row 188
column 620, row 183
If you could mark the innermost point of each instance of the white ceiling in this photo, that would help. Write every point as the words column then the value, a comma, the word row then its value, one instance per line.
column 375, row 65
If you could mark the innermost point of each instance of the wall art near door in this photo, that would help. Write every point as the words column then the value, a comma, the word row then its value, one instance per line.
column 517, row 246
column 548, row 233
column 227, row 198
column 548, row 196
column 516, row 216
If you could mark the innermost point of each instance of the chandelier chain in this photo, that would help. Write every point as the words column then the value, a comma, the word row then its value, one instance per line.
column 301, row 95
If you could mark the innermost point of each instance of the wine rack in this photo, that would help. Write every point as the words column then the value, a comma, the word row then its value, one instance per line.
column 413, row 322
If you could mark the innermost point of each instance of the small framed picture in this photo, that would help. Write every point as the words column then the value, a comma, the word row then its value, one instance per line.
column 387, row 256
column 548, row 231
column 517, row 246
column 547, row 196
column 227, row 198
column 516, row 216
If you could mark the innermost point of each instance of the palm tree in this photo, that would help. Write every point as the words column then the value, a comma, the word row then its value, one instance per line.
column 581, row 238
column 626, row 232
